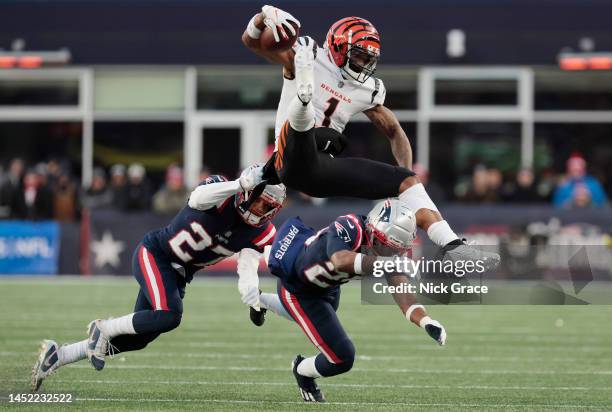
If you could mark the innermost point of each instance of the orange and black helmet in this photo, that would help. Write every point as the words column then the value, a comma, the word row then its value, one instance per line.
column 353, row 44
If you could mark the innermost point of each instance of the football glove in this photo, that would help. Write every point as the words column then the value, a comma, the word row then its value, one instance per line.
column 249, row 294
column 248, row 281
column 278, row 21
column 251, row 177
column 434, row 329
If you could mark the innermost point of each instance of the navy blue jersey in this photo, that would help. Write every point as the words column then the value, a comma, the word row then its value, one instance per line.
column 198, row 238
column 301, row 257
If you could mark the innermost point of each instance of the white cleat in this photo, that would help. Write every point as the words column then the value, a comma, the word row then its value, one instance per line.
column 304, row 72
column 97, row 345
column 466, row 252
column 46, row 364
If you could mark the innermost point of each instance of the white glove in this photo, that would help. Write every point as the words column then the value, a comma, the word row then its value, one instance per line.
column 249, row 294
column 251, row 177
column 434, row 329
column 278, row 20
column 248, row 281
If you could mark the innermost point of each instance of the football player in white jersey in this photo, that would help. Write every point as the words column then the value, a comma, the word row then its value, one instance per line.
column 323, row 88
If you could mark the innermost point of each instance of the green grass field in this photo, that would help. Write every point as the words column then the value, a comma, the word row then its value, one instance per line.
column 497, row 357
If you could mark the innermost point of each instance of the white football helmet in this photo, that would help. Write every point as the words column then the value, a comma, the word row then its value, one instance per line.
column 264, row 208
column 391, row 228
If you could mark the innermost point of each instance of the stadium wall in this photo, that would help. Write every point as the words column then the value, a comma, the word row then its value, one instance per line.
column 106, row 246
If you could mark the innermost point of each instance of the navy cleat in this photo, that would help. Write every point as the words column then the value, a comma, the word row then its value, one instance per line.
column 97, row 345
column 308, row 387
column 46, row 364
column 258, row 317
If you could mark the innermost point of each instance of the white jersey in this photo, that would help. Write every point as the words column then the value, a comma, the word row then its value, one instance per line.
column 336, row 99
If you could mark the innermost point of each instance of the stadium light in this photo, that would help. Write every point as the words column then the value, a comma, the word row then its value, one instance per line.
column 585, row 61
column 33, row 59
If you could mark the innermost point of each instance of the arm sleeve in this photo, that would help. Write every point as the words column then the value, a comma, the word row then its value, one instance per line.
column 213, row 191
column 345, row 233
column 248, row 263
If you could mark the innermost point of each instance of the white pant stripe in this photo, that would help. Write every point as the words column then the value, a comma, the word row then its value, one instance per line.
column 151, row 276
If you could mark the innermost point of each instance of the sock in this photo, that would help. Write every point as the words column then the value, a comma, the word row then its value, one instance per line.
column 73, row 352
column 417, row 198
column 301, row 118
column 272, row 302
column 441, row 234
column 307, row 368
column 118, row 326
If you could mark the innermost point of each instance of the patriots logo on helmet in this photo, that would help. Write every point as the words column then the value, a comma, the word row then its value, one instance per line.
column 385, row 212
column 342, row 232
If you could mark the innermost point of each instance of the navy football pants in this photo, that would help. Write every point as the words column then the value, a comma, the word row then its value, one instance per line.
column 317, row 317
column 301, row 166
column 159, row 304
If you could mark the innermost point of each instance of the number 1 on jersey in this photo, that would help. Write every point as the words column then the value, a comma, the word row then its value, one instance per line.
column 332, row 105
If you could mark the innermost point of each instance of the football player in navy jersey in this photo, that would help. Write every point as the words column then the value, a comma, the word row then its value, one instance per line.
column 311, row 266
column 215, row 224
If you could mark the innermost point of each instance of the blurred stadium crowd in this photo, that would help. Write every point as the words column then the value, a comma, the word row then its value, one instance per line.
column 47, row 190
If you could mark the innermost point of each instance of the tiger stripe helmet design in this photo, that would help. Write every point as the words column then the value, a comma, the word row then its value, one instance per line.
column 353, row 44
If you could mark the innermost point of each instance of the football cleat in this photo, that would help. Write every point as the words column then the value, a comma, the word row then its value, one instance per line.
column 460, row 250
column 97, row 345
column 304, row 72
column 308, row 387
column 46, row 364
column 258, row 317
column 436, row 331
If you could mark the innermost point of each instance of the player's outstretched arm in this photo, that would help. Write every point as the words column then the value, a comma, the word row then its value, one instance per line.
column 212, row 194
column 386, row 121
column 359, row 264
column 277, row 20
column 248, row 279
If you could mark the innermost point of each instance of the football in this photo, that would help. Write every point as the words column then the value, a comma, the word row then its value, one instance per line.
column 269, row 43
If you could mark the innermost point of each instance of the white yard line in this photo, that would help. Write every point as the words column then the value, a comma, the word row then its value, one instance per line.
column 365, row 358
column 117, row 365
column 401, row 404
column 337, row 385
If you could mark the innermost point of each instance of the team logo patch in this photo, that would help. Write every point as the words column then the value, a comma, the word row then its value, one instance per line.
column 342, row 232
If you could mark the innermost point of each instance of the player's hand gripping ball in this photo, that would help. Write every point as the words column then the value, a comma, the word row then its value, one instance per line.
column 282, row 29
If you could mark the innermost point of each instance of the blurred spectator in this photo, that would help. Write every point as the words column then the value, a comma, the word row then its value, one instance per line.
column 485, row 186
column 117, row 184
column 567, row 193
column 173, row 196
column 32, row 200
column 581, row 197
column 98, row 195
column 10, row 185
column 434, row 191
column 523, row 190
column 136, row 194
column 53, row 172
column 65, row 198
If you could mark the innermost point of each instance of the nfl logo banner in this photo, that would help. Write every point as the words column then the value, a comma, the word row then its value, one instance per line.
column 30, row 248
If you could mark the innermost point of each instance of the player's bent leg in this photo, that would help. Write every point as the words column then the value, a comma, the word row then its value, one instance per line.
column 272, row 302
column 303, row 63
column 317, row 318
column 428, row 218
column 162, row 289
